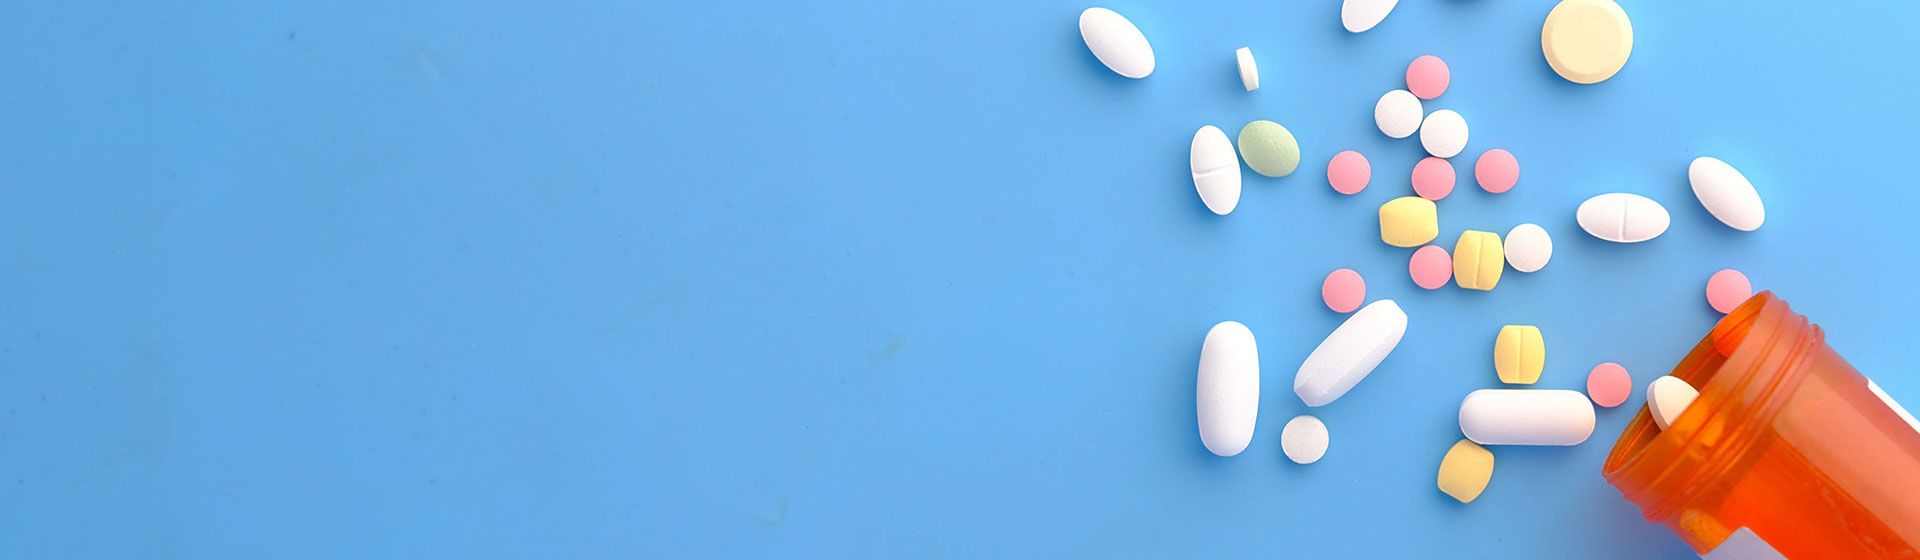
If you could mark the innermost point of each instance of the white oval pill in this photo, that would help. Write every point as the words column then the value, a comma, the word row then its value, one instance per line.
column 1304, row 439
column 1228, row 392
column 1528, row 247
column 1216, row 169
column 1398, row 113
column 1667, row 397
column 1444, row 133
column 1526, row 417
column 1116, row 42
column 1249, row 72
column 1726, row 193
column 1361, row 15
column 1350, row 353
column 1622, row 217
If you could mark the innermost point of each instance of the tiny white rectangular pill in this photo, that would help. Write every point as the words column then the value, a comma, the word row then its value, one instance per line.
column 1350, row 353
column 1249, row 72
column 1526, row 417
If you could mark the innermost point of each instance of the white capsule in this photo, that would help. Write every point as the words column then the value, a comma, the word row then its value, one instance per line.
column 1526, row 417
column 1444, row 133
column 1726, row 193
column 1667, row 397
column 1228, row 392
column 1249, row 72
column 1623, row 217
column 1216, row 169
column 1304, row 439
column 1528, row 247
column 1350, row 353
column 1398, row 113
column 1360, row 15
column 1116, row 42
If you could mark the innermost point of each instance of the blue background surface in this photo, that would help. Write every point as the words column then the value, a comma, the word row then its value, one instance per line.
column 871, row 279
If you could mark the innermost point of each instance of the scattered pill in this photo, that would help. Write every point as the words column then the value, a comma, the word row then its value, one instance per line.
column 1427, row 77
column 1519, row 353
column 1433, row 178
column 1586, row 41
column 1667, row 397
column 1444, row 133
column 1216, row 170
column 1349, row 172
column 1360, row 15
column 1304, row 439
column 1609, row 384
column 1343, row 290
column 1430, row 267
column 1269, row 148
column 1116, row 42
column 1398, row 114
column 1409, row 221
column 1496, row 171
column 1465, row 470
column 1228, row 393
column 1526, row 417
column 1622, row 217
column 1528, row 247
column 1727, row 289
column 1478, row 260
column 1726, row 193
column 1350, row 353
column 1249, row 72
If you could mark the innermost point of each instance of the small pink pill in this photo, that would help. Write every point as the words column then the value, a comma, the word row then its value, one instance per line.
column 1343, row 290
column 1427, row 77
column 1349, row 172
column 1433, row 178
column 1497, row 171
column 1609, row 385
column 1727, row 289
column 1430, row 267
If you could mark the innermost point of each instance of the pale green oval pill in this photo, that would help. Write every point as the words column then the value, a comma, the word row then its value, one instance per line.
column 1269, row 148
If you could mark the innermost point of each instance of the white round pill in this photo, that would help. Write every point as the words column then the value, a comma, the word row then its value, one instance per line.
column 1528, row 247
column 1398, row 114
column 1444, row 133
column 1116, row 42
column 1304, row 439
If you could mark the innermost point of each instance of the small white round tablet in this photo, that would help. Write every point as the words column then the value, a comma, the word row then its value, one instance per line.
column 1398, row 114
column 1304, row 439
column 1249, row 72
column 1667, row 397
column 1444, row 133
column 1528, row 247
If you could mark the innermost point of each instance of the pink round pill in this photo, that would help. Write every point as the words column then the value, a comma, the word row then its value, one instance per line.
column 1609, row 385
column 1349, row 172
column 1427, row 77
column 1343, row 290
column 1433, row 178
column 1430, row 267
column 1497, row 171
column 1727, row 289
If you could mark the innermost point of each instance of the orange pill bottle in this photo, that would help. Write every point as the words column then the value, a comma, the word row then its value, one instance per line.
column 1787, row 447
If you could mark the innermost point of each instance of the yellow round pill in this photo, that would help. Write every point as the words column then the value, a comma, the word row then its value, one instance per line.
column 1587, row 41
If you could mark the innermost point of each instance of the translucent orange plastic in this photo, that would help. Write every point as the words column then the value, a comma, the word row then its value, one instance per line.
column 1785, row 440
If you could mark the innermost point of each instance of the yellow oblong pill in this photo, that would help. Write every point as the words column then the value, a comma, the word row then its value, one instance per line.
column 1465, row 471
column 1409, row 221
column 1586, row 41
column 1519, row 353
column 1478, row 260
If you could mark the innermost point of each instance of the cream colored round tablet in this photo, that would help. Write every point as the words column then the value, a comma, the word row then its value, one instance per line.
column 1586, row 41
column 1304, row 439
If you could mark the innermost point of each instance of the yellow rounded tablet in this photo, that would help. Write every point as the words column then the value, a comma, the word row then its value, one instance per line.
column 1587, row 41
column 1465, row 471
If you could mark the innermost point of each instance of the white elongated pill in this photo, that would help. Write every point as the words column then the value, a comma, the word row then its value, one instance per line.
column 1623, row 217
column 1116, row 42
column 1398, row 113
column 1350, row 353
column 1216, row 169
column 1528, row 247
column 1304, row 439
column 1667, row 397
column 1360, row 15
column 1228, row 392
column 1726, row 193
column 1249, row 72
column 1526, row 417
column 1444, row 133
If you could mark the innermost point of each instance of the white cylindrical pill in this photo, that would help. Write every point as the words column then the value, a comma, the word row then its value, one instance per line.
column 1350, row 353
column 1228, row 393
column 1249, row 71
column 1526, row 417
